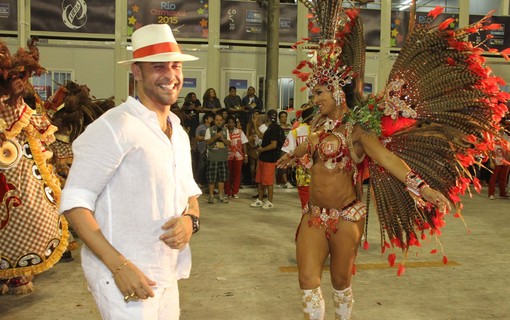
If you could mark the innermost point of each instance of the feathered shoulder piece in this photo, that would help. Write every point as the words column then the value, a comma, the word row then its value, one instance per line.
column 367, row 114
column 440, row 110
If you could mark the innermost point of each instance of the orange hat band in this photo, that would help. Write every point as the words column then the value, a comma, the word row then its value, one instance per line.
column 164, row 47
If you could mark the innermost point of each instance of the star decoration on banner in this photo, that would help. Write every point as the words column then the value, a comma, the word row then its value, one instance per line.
column 394, row 32
column 397, row 21
column 200, row 11
column 132, row 20
column 203, row 23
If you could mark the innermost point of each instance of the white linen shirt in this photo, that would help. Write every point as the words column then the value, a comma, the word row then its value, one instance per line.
column 134, row 179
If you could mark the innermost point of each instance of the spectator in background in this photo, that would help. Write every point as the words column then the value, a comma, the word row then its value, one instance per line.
column 217, row 141
column 192, row 107
column 500, row 164
column 224, row 114
column 232, row 102
column 237, row 155
column 201, row 149
column 250, row 103
column 238, row 124
column 296, row 137
column 252, row 146
column 283, row 174
column 183, row 117
column 290, row 106
column 210, row 101
column 266, row 165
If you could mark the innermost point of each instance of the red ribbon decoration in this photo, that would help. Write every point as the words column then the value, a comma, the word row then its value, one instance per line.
column 164, row 47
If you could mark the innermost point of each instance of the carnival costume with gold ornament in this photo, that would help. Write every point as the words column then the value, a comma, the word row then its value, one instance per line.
column 441, row 107
column 33, row 235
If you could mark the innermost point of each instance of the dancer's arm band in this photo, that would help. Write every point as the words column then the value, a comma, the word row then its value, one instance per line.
column 414, row 183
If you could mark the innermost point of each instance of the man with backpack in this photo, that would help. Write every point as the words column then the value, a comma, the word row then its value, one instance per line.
column 268, row 155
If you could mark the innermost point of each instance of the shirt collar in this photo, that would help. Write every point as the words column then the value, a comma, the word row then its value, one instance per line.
column 143, row 111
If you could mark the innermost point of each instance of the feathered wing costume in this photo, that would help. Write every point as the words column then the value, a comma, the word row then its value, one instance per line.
column 441, row 107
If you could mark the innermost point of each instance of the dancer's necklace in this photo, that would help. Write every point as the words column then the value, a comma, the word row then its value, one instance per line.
column 330, row 124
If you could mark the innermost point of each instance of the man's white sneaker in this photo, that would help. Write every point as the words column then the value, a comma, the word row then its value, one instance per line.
column 288, row 185
column 268, row 205
column 257, row 203
column 491, row 197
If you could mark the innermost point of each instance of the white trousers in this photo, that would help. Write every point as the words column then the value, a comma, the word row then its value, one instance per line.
column 110, row 302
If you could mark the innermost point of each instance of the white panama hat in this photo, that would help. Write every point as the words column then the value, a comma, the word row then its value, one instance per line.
column 156, row 43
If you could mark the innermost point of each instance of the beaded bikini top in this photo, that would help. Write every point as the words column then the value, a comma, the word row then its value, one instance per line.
column 337, row 153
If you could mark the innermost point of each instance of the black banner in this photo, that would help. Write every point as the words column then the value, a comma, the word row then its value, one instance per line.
column 9, row 15
column 248, row 21
column 371, row 20
column 188, row 19
column 400, row 24
column 492, row 39
column 75, row 16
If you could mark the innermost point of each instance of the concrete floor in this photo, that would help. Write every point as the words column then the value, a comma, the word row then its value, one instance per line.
column 244, row 268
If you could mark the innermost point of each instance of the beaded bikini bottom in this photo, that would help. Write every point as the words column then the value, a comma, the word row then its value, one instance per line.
column 328, row 218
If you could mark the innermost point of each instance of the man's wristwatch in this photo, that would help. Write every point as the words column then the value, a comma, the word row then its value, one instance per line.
column 195, row 221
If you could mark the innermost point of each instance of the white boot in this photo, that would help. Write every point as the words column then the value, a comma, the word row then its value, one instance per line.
column 313, row 304
column 343, row 303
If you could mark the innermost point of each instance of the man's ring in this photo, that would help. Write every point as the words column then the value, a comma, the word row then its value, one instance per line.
column 127, row 298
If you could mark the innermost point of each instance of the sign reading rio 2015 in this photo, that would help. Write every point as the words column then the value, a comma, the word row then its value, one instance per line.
column 168, row 13
column 74, row 13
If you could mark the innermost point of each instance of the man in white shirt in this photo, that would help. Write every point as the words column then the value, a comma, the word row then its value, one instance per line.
column 130, row 194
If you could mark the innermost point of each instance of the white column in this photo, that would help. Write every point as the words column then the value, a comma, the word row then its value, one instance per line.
column 213, row 54
column 121, row 85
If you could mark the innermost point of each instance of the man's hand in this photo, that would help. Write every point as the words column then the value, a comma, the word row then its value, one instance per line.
column 178, row 232
column 133, row 283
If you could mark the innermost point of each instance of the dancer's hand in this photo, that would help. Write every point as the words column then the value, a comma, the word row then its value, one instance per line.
column 286, row 161
column 436, row 198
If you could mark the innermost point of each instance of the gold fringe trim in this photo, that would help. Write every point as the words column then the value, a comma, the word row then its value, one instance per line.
column 22, row 122
column 48, row 136
column 48, row 263
column 51, row 180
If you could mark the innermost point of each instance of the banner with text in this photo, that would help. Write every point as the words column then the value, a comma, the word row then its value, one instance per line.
column 75, row 16
column 9, row 15
column 188, row 19
column 400, row 24
column 248, row 21
column 493, row 39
